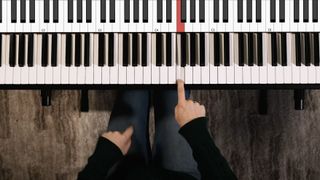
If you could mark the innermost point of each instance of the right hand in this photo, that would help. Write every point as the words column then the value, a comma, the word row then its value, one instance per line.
column 122, row 140
column 187, row 110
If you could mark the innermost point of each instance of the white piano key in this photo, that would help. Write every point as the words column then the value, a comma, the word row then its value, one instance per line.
column 254, row 24
column 237, row 25
column 303, row 74
column 51, row 26
column 105, row 68
column 72, row 68
column 122, row 69
column 188, row 69
column 83, row 27
column 17, row 69
column 114, row 69
column 67, row 27
column 75, row 24
column 246, row 70
column 187, row 25
column 255, row 76
column 130, row 68
column 277, row 26
column 173, row 24
column 9, row 70
column 96, row 68
column 147, row 69
column 64, row 68
column 316, row 26
column 40, row 69
column 3, row 58
column 231, row 20
column 222, row 70
column 81, row 70
column 172, row 68
column 56, row 79
column 42, row 25
column 179, row 70
column 205, row 27
column 271, row 69
column 140, row 27
column 213, row 69
column 287, row 69
column 116, row 25
column 33, row 69
column 205, row 70
column 48, row 69
column 96, row 16
column 309, row 25
column 286, row 25
column 196, row 26
column 196, row 69
column 164, row 25
column 19, row 27
column 5, row 16
column 221, row 26
column 238, row 70
column 301, row 24
column 138, row 70
column 163, row 67
column 293, row 25
column 295, row 68
column 245, row 27
column 155, row 71
column 123, row 25
column 263, row 70
column 156, row 25
column 107, row 26
column 279, row 67
column 148, row 27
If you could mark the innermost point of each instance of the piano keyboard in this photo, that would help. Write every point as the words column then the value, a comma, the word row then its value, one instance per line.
column 159, row 16
column 159, row 58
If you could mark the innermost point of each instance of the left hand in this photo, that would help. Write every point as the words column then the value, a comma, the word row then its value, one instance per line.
column 122, row 140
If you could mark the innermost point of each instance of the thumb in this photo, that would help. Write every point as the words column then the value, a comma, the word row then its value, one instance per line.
column 128, row 132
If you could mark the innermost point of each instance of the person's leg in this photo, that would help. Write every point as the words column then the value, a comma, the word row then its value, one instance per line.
column 171, row 151
column 132, row 108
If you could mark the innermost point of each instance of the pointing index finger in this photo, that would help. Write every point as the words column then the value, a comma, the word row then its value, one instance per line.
column 181, row 93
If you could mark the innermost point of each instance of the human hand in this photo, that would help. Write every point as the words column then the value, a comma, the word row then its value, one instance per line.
column 187, row 110
column 122, row 140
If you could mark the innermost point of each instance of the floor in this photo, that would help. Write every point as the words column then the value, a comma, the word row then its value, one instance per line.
column 53, row 143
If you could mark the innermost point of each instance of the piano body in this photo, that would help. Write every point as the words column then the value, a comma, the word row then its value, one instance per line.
column 102, row 44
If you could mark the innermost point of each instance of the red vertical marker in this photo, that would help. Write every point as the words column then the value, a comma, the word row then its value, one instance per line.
column 180, row 25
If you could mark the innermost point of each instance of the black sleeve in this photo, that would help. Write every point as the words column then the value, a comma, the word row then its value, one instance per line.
column 211, row 164
column 104, row 157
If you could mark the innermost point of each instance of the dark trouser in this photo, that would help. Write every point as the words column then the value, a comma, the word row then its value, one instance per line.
column 171, row 151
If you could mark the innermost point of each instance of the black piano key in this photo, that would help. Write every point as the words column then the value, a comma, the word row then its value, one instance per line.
column 168, row 49
column 250, row 50
column 241, row 49
column 88, row 11
column 70, row 11
column 55, row 11
column 307, row 49
column 54, row 48
column 192, row 10
column 135, row 49
column 101, row 55
column 126, row 11
column 13, row 11
column 79, row 11
column 125, row 49
column 240, row 10
column 68, row 50
column 159, row 11
column 135, row 10
column 87, row 50
column 216, row 11
column 284, row 49
column 298, row 49
column 217, row 49
column 145, row 11
column 225, row 11
column 258, row 10
column 12, row 51
column 315, row 10
column 183, row 11
column 272, row 10
column 22, row 11
column 274, row 49
column 0, row 48
column 282, row 11
column 103, row 12
column 21, row 52
column 202, row 12
column 169, row 10
column 226, row 49
column 112, row 11
column 32, row 11
column 144, row 49
column 202, row 49
column 305, row 10
column 296, row 10
column 111, row 50
column 192, row 49
column 249, row 10
column 30, row 50
column 316, row 49
column 44, row 50
column 183, row 50
column 46, row 11
column 77, row 59
column 159, row 49
column 302, row 47
column 0, row 11
column 259, row 49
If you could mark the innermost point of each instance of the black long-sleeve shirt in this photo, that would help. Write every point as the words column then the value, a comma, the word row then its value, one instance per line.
column 211, row 164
